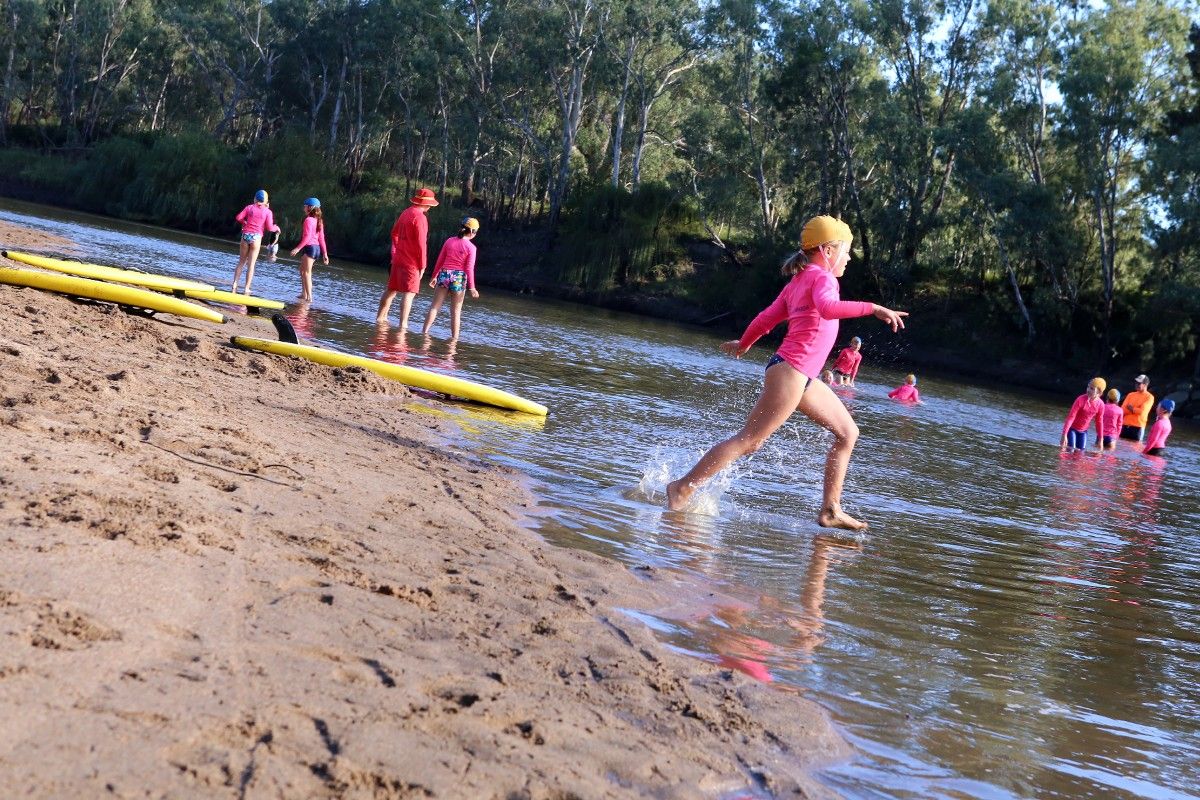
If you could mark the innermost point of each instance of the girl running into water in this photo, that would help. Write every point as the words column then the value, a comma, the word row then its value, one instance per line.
column 812, row 308
column 1085, row 408
column 312, row 244
column 453, row 273
column 255, row 219
column 845, row 369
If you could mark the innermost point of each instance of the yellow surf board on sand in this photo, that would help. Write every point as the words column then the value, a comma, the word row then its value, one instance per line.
column 132, row 277
column 110, row 292
column 410, row 376
column 232, row 298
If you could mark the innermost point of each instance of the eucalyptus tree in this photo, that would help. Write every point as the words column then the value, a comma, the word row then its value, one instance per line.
column 825, row 91
column 656, row 44
column 741, row 35
column 21, row 26
column 931, row 52
column 235, row 48
column 1123, row 72
column 1174, row 174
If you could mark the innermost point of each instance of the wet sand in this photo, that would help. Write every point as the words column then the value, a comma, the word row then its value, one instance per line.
column 228, row 574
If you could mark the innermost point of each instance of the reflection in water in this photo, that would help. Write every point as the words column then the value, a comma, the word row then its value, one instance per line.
column 1017, row 624
column 388, row 344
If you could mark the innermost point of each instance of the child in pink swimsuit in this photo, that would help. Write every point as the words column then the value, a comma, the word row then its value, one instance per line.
column 907, row 391
column 1156, row 439
column 1085, row 408
column 1110, row 419
column 255, row 219
column 845, row 369
column 811, row 306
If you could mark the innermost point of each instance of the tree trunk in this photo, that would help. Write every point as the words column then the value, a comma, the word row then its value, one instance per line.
column 619, row 120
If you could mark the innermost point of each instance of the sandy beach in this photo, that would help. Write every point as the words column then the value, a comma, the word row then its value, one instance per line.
column 228, row 574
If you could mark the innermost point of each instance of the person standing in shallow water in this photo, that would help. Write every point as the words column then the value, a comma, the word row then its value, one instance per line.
column 454, row 274
column 811, row 305
column 409, row 236
column 845, row 369
column 255, row 219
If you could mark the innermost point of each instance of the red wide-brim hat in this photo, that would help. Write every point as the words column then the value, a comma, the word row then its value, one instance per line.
column 424, row 197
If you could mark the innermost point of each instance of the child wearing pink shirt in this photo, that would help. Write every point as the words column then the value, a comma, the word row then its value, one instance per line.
column 907, row 391
column 1110, row 419
column 845, row 368
column 453, row 273
column 1085, row 408
column 1156, row 439
column 811, row 305
column 255, row 219
column 312, row 244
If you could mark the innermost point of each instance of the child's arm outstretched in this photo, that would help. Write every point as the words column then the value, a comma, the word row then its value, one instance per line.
column 767, row 319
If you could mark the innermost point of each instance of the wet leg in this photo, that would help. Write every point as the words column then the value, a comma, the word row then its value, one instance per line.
column 456, row 304
column 782, row 390
column 439, row 297
column 385, row 306
column 823, row 407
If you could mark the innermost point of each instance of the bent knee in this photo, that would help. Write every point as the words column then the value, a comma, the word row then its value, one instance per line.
column 847, row 434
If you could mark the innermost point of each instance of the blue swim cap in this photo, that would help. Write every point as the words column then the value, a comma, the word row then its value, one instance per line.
column 260, row 196
column 312, row 201
column 1167, row 405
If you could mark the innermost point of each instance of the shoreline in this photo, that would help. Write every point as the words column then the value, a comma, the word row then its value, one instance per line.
column 1013, row 373
column 228, row 573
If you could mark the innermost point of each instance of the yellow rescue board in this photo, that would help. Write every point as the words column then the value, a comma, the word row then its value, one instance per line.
column 232, row 298
column 410, row 376
column 132, row 277
column 110, row 292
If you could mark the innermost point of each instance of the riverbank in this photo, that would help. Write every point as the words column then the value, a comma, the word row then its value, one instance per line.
column 230, row 574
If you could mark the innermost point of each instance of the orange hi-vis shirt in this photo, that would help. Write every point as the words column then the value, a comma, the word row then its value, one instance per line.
column 1137, row 406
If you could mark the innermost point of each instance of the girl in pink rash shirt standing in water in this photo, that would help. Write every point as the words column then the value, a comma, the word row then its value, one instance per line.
column 1085, row 408
column 453, row 274
column 255, row 219
column 312, row 245
column 812, row 308
column 1110, row 420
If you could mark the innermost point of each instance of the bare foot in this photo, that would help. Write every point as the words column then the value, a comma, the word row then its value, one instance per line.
column 678, row 494
column 834, row 517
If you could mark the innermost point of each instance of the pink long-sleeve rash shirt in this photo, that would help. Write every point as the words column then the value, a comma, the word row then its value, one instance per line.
column 848, row 362
column 457, row 253
column 812, row 307
column 1159, row 431
column 256, row 219
column 905, row 394
column 1082, row 412
column 1110, row 419
column 310, row 235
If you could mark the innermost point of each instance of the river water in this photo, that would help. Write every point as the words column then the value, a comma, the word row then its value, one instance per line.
column 1016, row 623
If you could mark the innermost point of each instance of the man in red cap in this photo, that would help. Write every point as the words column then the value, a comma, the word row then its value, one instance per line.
column 408, row 257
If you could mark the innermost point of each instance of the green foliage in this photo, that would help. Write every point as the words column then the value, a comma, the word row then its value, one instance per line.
column 614, row 238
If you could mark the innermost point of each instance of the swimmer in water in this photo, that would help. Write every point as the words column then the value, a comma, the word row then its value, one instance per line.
column 907, row 391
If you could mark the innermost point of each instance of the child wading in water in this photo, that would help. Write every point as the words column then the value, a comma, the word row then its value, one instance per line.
column 255, row 219
column 812, row 308
column 845, row 369
column 1085, row 408
column 907, row 391
column 1156, row 439
column 312, row 244
column 1110, row 419
column 453, row 273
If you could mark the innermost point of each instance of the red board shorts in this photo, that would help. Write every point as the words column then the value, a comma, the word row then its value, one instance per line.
column 404, row 278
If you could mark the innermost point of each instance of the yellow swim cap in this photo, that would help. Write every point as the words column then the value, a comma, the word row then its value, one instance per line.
column 820, row 230
column 1113, row 396
column 1099, row 383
